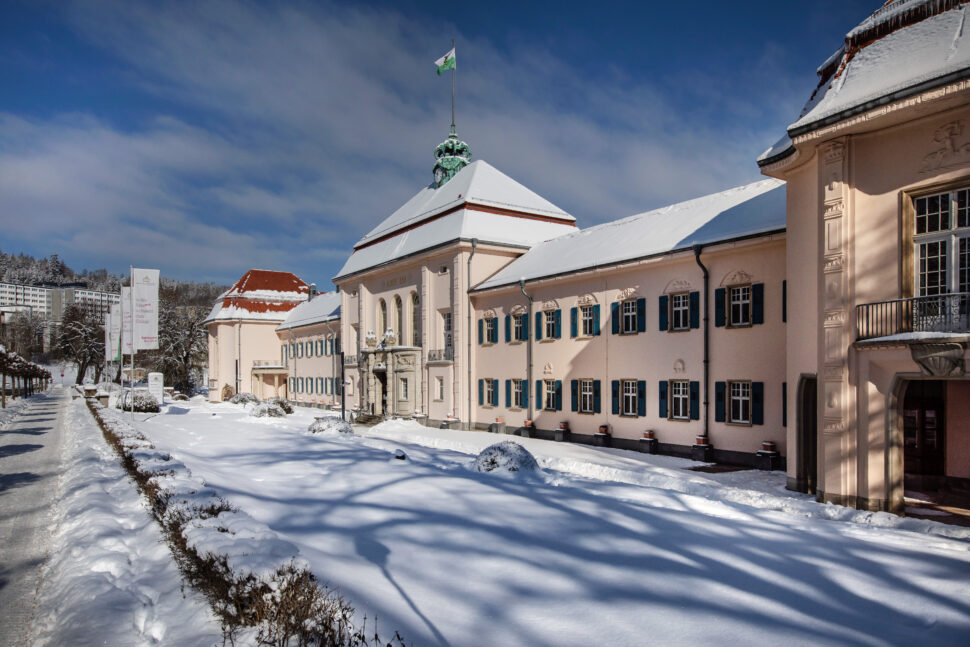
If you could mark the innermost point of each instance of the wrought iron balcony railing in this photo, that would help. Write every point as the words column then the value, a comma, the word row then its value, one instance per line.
column 446, row 354
column 937, row 313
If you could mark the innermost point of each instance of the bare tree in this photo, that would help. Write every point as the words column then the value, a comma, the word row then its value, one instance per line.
column 81, row 340
column 182, row 342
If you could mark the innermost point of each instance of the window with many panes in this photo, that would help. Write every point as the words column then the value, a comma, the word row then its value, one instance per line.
column 630, row 400
column 679, row 399
column 404, row 388
column 628, row 320
column 550, row 319
column 518, row 327
column 586, row 313
column 446, row 328
column 739, row 410
column 586, row 396
column 942, row 242
column 680, row 311
column 739, row 302
column 549, row 394
column 517, row 394
column 491, row 397
column 491, row 330
column 439, row 388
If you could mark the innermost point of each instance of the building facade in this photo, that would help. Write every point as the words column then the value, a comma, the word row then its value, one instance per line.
column 310, row 350
column 878, row 175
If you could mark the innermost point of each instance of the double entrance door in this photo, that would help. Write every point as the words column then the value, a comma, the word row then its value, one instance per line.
column 923, row 433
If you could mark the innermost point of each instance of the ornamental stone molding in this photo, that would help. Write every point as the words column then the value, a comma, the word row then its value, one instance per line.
column 940, row 359
column 625, row 293
column 551, row 304
column 517, row 309
column 677, row 285
column 547, row 369
column 835, row 152
column 586, row 300
column 951, row 153
column 488, row 314
column 737, row 277
column 679, row 366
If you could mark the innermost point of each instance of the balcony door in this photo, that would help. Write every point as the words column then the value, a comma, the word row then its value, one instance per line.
column 923, row 433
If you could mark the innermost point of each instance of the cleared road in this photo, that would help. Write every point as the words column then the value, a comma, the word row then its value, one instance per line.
column 30, row 463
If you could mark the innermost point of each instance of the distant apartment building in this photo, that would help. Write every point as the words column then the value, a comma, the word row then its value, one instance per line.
column 50, row 302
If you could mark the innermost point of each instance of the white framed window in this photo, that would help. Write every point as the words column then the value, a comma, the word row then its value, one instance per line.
column 942, row 242
column 586, row 396
column 549, row 395
column 739, row 400
column 439, row 388
column 739, row 302
column 491, row 330
column 680, row 311
column 549, row 317
column 629, row 398
column 446, row 329
column 415, row 320
column 491, row 397
column 628, row 321
column 680, row 399
column 518, row 327
column 404, row 387
column 517, row 394
column 586, row 319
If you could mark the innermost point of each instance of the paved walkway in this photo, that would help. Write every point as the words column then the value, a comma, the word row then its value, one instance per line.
column 30, row 462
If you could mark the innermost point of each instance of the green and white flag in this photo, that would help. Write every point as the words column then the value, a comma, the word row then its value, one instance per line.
column 446, row 62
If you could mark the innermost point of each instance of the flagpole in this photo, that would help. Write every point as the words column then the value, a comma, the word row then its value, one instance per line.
column 131, row 304
column 453, row 90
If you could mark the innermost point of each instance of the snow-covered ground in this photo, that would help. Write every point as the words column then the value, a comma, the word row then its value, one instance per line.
column 111, row 579
column 599, row 547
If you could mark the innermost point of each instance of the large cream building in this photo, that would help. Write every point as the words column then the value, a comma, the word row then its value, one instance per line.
column 815, row 321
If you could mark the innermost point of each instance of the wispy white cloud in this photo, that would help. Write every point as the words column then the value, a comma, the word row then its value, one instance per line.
column 291, row 130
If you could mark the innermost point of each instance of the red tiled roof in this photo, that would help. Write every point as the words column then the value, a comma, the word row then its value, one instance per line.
column 268, row 280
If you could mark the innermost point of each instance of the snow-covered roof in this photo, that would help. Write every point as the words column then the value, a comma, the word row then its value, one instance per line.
column 743, row 211
column 904, row 46
column 478, row 202
column 323, row 307
column 262, row 295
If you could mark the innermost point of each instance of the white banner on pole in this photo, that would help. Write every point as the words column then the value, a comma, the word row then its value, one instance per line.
column 145, row 284
column 126, row 346
column 114, row 322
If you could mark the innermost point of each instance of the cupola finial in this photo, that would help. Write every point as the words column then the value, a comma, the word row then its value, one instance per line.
column 451, row 156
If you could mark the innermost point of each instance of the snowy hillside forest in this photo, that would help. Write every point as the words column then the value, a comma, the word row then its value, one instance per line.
column 27, row 270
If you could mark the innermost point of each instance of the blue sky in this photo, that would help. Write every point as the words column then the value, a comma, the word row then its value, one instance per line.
column 207, row 138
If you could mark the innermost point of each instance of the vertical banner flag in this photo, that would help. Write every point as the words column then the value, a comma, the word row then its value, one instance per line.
column 114, row 319
column 145, row 285
column 126, row 345
column 108, row 354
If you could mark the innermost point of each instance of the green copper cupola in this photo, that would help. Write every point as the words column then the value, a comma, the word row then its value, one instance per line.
column 451, row 156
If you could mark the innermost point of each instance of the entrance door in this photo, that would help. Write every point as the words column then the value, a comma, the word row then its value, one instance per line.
column 806, row 465
column 923, row 427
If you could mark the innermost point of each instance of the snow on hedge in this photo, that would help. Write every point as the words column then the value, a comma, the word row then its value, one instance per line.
column 330, row 425
column 507, row 457
column 265, row 410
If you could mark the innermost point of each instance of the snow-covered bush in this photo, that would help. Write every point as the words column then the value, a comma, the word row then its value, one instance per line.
column 265, row 410
column 243, row 398
column 180, row 397
column 281, row 403
column 506, row 456
column 144, row 402
column 330, row 425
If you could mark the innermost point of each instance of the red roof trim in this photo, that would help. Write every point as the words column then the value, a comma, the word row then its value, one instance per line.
column 470, row 207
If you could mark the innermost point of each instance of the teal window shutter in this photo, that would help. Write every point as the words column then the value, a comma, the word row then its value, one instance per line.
column 641, row 397
column 525, row 327
column 596, row 319
column 558, row 395
column 557, row 322
column 695, row 309
column 495, row 392
column 719, row 307
column 508, row 328
column 615, row 388
column 574, row 395
column 596, row 396
column 615, row 318
column 481, row 392
column 538, row 394
column 525, row 394
column 695, row 400
column 538, row 326
column 481, row 326
column 641, row 315
column 662, row 399
column 573, row 323
column 663, row 310
column 757, row 403
column 508, row 394
column 758, row 303
column 720, row 405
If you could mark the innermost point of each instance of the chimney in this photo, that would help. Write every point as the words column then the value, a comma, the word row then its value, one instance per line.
column 312, row 293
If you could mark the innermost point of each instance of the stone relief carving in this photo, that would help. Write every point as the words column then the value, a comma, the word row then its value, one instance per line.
column 951, row 153
column 552, row 304
column 404, row 362
column 547, row 369
column 625, row 293
column 517, row 310
column 940, row 360
column 587, row 300
column 677, row 285
column 679, row 366
column 488, row 314
column 834, row 153
column 736, row 277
